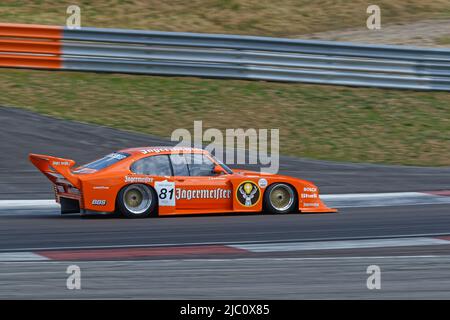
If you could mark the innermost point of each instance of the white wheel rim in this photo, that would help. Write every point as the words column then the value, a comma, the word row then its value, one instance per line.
column 281, row 197
column 137, row 199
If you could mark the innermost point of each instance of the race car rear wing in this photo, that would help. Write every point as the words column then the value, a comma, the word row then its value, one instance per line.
column 55, row 169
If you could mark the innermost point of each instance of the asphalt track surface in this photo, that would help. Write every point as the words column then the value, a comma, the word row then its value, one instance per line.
column 264, row 278
column 42, row 230
column 410, row 272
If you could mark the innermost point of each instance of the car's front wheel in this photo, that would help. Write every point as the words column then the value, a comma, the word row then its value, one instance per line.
column 137, row 201
column 280, row 198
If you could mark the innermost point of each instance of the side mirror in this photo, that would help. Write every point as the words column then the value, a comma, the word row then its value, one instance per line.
column 218, row 170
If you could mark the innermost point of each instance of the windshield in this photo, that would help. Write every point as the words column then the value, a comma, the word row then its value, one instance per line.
column 223, row 165
column 104, row 162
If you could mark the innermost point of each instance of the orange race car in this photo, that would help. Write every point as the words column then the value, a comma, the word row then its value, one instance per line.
column 142, row 182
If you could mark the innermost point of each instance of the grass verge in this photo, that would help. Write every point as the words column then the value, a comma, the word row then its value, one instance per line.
column 445, row 40
column 258, row 17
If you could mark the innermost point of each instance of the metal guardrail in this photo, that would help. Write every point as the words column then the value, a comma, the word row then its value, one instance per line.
column 224, row 56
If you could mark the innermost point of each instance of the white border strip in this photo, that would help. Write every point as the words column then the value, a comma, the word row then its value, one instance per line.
column 359, row 200
column 21, row 256
column 28, row 204
column 330, row 245
column 355, row 200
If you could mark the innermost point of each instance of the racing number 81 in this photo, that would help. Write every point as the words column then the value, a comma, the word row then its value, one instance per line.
column 163, row 193
column 166, row 193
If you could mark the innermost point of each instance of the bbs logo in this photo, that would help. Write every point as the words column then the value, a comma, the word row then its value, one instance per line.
column 99, row 202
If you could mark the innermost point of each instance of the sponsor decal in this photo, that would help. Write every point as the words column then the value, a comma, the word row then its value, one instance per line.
column 131, row 179
column 189, row 194
column 309, row 196
column 310, row 189
column 61, row 163
column 248, row 193
column 100, row 188
column 117, row 156
column 310, row 204
column 98, row 202
column 158, row 150
column 262, row 183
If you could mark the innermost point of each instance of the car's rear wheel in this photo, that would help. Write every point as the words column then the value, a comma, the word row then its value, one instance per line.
column 280, row 198
column 137, row 201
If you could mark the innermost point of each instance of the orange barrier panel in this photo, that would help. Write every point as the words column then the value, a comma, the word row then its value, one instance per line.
column 25, row 46
column 29, row 61
column 30, row 31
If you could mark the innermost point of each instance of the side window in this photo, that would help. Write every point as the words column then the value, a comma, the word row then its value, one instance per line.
column 200, row 165
column 179, row 165
column 153, row 166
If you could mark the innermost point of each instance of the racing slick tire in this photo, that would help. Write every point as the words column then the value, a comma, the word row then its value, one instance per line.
column 137, row 201
column 280, row 198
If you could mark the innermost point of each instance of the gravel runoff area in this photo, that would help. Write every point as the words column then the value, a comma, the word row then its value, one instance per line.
column 430, row 33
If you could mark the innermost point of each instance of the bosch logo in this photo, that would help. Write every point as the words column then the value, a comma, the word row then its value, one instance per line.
column 99, row 202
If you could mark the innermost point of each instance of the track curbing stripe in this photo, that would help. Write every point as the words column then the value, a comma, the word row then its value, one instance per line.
column 206, row 250
column 21, row 256
column 117, row 253
column 342, row 244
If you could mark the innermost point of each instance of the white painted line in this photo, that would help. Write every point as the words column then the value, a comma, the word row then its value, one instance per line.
column 28, row 204
column 21, row 256
column 345, row 244
column 358, row 200
column 385, row 195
